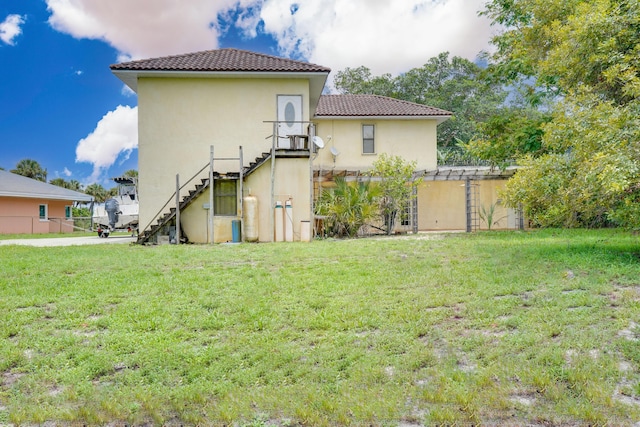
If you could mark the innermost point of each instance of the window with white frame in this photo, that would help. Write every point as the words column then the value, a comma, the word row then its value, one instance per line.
column 368, row 139
column 43, row 212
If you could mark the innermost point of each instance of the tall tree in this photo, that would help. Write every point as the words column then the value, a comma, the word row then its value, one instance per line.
column 31, row 169
column 454, row 84
column 361, row 81
column 98, row 192
column 457, row 85
column 567, row 44
column 71, row 185
column 508, row 135
column 74, row 185
column 589, row 53
column 60, row 182
column 131, row 173
column 396, row 186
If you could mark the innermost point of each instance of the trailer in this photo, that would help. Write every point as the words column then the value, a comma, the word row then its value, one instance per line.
column 120, row 212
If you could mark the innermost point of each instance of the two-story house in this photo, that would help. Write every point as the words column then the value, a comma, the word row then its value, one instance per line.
column 259, row 128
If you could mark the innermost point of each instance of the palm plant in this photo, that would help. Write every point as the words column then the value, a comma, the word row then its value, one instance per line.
column 74, row 185
column 488, row 215
column 98, row 192
column 348, row 206
column 60, row 182
column 31, row 169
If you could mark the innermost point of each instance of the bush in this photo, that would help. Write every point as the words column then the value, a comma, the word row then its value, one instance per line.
column 348, row 206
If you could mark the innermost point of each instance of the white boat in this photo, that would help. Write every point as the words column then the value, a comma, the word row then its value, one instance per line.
column 120, row 212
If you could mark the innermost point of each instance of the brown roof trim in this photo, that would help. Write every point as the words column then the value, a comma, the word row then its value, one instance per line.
column 221, row 60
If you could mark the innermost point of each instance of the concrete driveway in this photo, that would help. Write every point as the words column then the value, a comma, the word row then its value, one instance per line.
column 71, row 241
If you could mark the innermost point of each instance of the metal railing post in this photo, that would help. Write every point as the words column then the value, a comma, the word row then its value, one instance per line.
column 177, row 209
column 211, row 233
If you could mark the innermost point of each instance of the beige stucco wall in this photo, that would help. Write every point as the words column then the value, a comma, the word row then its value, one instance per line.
column 22, row 216
column 180, row 118
column 195, row 222
column 442, row 205
column 292, row 183
column 503, row 217
column 409, row 139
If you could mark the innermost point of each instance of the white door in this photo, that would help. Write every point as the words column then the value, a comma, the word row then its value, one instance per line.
column 289, row 118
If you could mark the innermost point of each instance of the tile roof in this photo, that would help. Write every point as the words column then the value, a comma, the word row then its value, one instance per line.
column 373, row 106
column 13, row 185
column 221, row 60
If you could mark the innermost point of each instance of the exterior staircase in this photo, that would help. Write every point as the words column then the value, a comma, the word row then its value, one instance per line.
column 164, row 219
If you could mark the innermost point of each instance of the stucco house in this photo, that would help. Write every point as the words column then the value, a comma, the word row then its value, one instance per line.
column 29, row 206
column 259, row 128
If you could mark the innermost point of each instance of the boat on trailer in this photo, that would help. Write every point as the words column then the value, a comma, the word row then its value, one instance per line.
column 120, row 212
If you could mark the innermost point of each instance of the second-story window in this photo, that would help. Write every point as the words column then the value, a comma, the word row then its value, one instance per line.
column 368, row 139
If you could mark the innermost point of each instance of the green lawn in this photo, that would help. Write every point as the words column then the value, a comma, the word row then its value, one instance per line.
column 537, row 328
column 46, row 235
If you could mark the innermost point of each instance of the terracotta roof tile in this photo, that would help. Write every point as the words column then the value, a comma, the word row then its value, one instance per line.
column 373, row 106
column 221, row 60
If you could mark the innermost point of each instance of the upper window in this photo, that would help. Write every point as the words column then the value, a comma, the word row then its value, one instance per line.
column 67, row 212
column 44, row 212
column 225, row 197
column 368, row 139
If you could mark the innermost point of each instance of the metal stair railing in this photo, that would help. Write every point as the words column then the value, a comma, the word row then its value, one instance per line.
column 171, row 198
column 170, row 212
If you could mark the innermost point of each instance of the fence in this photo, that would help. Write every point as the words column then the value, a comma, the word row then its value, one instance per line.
column 35, row 225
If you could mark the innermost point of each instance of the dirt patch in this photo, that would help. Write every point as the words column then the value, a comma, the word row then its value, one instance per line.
column 573, row 291
column 631, row 333
column 10, row 378
column 570, row 355
column 523, row 399
column 620, row 292
column 621, row 394
column 55, row 390
column 439, row 347
column 465, row 365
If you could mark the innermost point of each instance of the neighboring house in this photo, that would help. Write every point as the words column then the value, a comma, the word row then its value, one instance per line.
column 271, row 107
column 28, row 206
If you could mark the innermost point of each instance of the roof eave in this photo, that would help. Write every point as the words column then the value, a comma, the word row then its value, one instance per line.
column 439, row 119
column 317, row 79
column 45, row 196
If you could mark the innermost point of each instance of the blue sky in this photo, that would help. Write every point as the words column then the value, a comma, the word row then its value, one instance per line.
column 61, row 105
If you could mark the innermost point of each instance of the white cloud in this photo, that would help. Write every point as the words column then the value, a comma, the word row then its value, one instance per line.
column 385, row 35
column 116, row 134
column 142, row 28
column 66, row 172
column 10, row 28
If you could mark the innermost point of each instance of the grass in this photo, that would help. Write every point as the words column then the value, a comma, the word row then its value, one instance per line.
column 46, row 235
column 494, row 328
